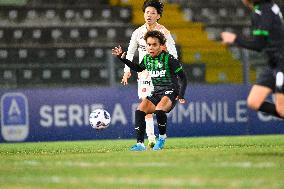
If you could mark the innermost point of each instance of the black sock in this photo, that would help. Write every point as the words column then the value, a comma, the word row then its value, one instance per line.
column 162, row 121
column 140, row 125
column 269, row 108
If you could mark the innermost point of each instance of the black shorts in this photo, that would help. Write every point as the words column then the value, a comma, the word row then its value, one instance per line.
column 267, row 77
column 160, row 92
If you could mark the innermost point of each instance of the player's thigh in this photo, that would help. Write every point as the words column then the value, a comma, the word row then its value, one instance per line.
column 146, row 106
column 165, row 104
column 257, row 96
column 279, row 103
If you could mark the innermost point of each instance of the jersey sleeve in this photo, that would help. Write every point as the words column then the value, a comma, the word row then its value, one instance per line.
column 262, row 22
column 171, row 46
column 261, row 27
column 132, row 47
column 170, row 43
column 143, row 62
column 175, row 64
column 134, row 66
column 177, row 69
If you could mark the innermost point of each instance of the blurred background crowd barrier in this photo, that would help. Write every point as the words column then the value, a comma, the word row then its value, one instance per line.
column 47, row 43
column 63, row 113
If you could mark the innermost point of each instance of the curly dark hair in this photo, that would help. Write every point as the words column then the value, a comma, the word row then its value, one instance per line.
column 157, row 34
column 159, row 6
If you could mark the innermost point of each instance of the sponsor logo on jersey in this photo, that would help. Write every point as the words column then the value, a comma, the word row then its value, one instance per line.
column 168, row 92
column 14, row 117
column 146, row 82
column 161, row 73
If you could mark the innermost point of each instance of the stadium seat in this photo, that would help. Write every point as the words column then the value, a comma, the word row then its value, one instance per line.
column 8, row 77
column 65, row 35
column 64, row 15
column 41, row 56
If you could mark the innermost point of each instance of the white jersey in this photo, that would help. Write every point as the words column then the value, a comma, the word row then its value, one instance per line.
column 137, row 41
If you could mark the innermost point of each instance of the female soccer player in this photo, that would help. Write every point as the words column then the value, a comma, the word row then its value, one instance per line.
column 153, row 10
column 267, row 36
column 165, row 72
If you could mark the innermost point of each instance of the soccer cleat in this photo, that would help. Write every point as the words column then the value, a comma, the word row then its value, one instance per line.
column 151, row 143
column 160, row 144
column 138, row 147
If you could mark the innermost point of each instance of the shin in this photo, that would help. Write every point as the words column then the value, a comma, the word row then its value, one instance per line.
column 140, row 125
column 162, row 121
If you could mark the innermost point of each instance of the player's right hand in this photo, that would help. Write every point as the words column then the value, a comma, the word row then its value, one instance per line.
column 118, row 52
column 228, row 37
column 125, row 78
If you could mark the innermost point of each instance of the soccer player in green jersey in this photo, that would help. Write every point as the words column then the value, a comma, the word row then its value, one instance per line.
column 169, row 82
column 268, row 37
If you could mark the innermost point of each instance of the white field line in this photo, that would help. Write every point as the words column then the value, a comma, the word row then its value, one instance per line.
column 146, row 181
column 246, row 164
column 111, row 181
column 94, row 164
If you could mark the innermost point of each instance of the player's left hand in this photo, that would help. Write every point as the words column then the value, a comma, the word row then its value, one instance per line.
column 228, row 37
column 181, row 100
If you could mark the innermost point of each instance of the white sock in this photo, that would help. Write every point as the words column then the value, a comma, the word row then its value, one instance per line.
column 142, row 144
column 150, row 128
column 163, row 136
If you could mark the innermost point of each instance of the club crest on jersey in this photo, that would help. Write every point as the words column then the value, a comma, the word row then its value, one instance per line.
column 160, row 65
column 161, row 73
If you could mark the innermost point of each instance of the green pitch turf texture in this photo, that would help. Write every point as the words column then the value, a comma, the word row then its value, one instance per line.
column 214, row 162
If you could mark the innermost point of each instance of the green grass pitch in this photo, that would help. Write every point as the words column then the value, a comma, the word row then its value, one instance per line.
column 212, row 162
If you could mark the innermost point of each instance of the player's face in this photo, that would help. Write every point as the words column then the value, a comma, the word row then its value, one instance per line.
column 154, row 47
column 151, row 15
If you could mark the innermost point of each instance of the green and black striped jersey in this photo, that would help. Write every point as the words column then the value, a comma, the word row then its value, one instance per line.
column 163, row 69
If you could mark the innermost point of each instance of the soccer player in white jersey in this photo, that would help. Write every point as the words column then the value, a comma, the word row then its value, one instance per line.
column 153, row 10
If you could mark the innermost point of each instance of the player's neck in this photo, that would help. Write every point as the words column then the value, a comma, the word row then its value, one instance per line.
column 151, row 27
column 157, row 55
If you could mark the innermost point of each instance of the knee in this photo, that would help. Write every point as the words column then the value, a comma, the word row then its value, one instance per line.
column 253, row 104
column 280, row 111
